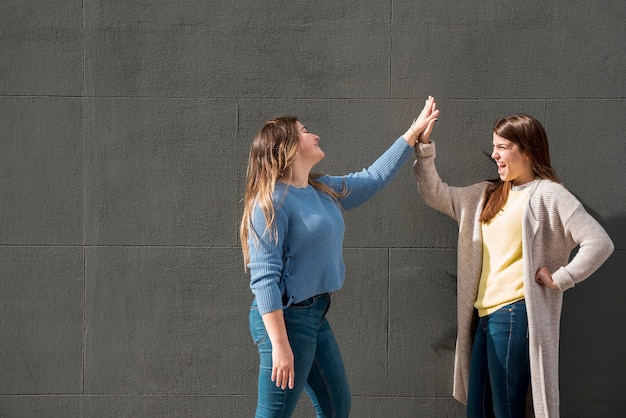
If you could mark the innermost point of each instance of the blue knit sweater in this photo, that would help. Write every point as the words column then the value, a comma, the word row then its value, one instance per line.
column 307, row 259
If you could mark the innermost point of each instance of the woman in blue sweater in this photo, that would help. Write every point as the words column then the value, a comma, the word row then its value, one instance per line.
column 292, row 233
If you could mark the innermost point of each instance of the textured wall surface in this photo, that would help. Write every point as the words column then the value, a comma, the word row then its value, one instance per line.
column 124, row 133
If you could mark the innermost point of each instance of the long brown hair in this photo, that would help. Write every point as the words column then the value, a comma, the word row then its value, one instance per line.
column 529, row 135
column 274, row 150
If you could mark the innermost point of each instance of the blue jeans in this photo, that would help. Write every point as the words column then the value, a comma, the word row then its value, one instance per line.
column 319, row 369
column 500, row 365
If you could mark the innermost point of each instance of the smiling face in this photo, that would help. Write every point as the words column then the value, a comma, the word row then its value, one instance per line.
column 309, row 150
column 513, row 165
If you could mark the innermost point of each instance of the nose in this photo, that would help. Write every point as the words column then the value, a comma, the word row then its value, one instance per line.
column 495, row 155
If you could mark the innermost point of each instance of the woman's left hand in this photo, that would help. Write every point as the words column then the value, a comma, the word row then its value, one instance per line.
column 544, row 278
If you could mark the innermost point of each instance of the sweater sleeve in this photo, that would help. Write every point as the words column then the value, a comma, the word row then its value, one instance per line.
column 364, row 185
column 594, row 247
column 449, row 200
column 266, row 260
column 433, row 190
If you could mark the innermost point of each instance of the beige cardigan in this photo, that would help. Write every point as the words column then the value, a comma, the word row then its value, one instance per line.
column 554, row 223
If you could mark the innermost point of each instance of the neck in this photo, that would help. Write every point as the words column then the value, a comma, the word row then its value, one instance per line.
column 296, row 177
column 522, row 182
column 523, row 179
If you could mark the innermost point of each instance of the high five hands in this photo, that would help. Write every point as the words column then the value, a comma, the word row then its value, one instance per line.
column 422, row 126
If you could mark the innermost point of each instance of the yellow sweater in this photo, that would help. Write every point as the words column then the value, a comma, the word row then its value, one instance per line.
column 554, row 224
column 502, row 278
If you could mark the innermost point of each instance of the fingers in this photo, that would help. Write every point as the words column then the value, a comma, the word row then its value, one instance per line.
column 544, row 278
column 538, row 276
column 429, row 113
column 426, row 134
column 292, row 378
column 283, row 377
column 429, row 107
column 422, row 126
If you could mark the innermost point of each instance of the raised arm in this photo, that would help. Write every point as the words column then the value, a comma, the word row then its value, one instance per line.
column 452, row 201
column 437, row 194
column 364, row 185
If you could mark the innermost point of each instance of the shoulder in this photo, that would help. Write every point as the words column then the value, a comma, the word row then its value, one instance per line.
column 473, row 191
column 277, row 202
column 280, row 191
column 481, row 187
column 325, row 179
column 471, row 195
column 336, row 183
column 550, row 191
column 554, row 198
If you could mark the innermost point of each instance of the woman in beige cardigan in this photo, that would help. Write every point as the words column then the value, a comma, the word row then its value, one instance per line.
column 516, row 234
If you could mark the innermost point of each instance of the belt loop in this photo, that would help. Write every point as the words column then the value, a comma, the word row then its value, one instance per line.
column 289, row 302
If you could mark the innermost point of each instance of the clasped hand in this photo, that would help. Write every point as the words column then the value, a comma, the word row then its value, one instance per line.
column 422, row 126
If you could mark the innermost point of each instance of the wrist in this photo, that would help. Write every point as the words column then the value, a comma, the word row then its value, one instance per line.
column 422, row 140
column 410, row 137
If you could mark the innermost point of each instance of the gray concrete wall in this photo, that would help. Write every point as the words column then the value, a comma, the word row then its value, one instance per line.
column 124, row 132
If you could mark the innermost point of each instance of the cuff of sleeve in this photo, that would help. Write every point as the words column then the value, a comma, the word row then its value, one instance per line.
column 425, row 150
column 563, row 279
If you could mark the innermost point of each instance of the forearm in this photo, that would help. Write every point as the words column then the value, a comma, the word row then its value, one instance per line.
column 430, row 186
column 276, row 330
column 283, row 372
column 595, row 246
column 364, row 185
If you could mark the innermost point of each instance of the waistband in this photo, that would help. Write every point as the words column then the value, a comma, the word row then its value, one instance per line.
column 312, row 299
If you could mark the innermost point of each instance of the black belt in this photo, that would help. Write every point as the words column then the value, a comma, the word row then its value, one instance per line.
column 312, row 299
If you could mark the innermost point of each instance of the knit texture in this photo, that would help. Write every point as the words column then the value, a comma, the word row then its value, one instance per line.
column 306, row 259
column 554, row 223
column 501, row 280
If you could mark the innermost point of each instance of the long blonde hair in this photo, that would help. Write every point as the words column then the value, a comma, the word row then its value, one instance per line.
column 274, row 150
column 532, row 140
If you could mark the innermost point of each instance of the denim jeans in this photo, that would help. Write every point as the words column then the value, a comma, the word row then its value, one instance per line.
column 500, row 365
column 319, row 369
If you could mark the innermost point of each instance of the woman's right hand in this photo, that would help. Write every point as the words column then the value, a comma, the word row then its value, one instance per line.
column 283, row 372
column 544, row 278
column 424, row 137
column 282, row 366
